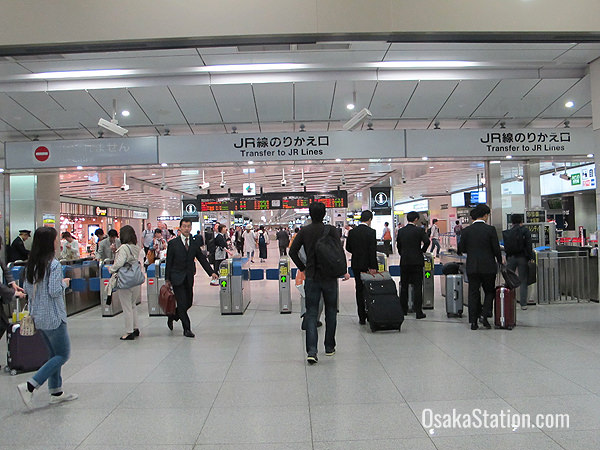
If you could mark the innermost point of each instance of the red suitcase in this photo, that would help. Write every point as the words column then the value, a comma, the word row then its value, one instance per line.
column 25, row 353
column 505, row 308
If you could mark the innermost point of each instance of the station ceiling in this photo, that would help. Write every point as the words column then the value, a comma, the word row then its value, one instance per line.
column 278, row 88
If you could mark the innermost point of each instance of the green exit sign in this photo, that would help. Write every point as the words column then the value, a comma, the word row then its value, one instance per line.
column 575, row 179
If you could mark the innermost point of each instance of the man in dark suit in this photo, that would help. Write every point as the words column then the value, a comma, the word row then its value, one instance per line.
column 362, row 243
column 17, row 250
column 412, row 242
column 180, row 271
column 480, row 242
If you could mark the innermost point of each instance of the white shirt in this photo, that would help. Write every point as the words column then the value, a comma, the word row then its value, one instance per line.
column 435, row 232
column 183, row 239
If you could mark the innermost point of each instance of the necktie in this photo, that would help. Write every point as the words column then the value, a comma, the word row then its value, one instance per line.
column 187, row 247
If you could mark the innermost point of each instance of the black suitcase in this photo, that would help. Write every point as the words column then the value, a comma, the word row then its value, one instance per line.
column 382, row 303
column 25, row 353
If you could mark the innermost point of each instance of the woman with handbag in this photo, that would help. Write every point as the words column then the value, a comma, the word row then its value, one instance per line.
column 126, row 258
column 45, row 287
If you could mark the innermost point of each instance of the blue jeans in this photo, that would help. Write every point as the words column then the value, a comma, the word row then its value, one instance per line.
column 313, row 290
column 59, row 350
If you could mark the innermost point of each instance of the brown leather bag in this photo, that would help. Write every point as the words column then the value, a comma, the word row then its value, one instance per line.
column 167, row 301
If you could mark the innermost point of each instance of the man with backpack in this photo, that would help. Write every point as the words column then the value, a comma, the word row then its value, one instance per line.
column 517, row 245
column 325, row 262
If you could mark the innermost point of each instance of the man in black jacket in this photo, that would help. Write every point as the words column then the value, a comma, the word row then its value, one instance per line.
column 316, row 283
column 180, row 271
column 480, row 242
column 362, row 244
column 517, row 244
column 284, row 240
column 412, row 242
column 17, row 250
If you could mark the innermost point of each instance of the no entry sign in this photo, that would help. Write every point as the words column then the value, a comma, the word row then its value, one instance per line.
column 42, row 153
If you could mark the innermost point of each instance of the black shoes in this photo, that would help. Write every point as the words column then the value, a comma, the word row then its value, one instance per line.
column 312, row 360
column 421, row 315
column 170, row 322
column 485, row 323
column 362, row 321
column 128, row 337
column 330, row 352
column 188, row 333
column 136, row 332
column 474, row 326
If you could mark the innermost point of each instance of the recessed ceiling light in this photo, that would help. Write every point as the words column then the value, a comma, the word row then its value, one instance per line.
column 1, row 170
column 164, row 164
column 508, row 156
column 424, row 158
column 125, row 113
column 590, row 155
column 250, row 162
column 338, row 160
column 79, row 167
column 431, row 167
column 494, row 162
column 362, row 168
column 350, row 106
column 569, row 104
column 153, row 174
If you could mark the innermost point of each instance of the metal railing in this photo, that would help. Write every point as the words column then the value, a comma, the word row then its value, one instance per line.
column 563, row 276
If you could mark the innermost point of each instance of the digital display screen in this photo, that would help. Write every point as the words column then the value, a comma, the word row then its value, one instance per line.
column 295, row 202
column 333, row 201
column 236, row 202
column 262, row 204
column 217, row 206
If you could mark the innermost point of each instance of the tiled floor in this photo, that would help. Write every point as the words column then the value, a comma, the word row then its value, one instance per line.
column 243, row 382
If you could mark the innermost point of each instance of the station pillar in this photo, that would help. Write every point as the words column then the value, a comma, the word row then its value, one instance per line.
column 533, row 195
column 493, row 186
column 595, row 84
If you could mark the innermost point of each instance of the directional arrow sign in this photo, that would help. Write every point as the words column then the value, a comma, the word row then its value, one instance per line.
column 224, row 283
column 427, row 275
column 283, row 278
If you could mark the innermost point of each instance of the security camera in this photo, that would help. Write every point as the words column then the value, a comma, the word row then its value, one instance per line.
column 404, row 180
column 302, row 182
column 283, row 182
column 565, row 176
column 357, row 119
column 163, row 186
column 125, row 187
column 223, row 184
column 113, row 126
column 343, row 181
column 204, row 185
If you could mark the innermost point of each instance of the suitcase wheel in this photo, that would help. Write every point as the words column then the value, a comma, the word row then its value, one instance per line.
column 459, row 315
column 6, row 369
column 449, row 315
column 13, row 372
column 373, row 327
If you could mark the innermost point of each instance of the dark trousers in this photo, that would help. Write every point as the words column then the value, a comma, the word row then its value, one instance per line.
column 387, row 245
column 476, row 282
column 521, row 264
column 360, row 294
column 313, row 290
column 411, row 275
column 184, row 293
column 435, row 244
column 282, row 251
column 217, row 264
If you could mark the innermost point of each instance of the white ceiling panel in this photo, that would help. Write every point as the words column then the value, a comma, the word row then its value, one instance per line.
column 137, row 132
column 381, row 124
column 9, row 68
column 242, row 127
column 464, row 46
column 16, row 116
column 124, row 102
column 580, row 122
column 585, row 111
column 114, row 63
column 80, row 133
column 313, row 100
column 344, row 95
column 158, row 104
column 277, row 127
column 508, row 123
column 545, row 123
column 305, row 57
column 428, row 99
column 579, row 94
column 197, row 104
column 274, row 101
column 538, row 98
column 41, row 105
column 479, row 123
column 447, row 124
column 501, row 99
column 391, row 98
column 312, row 126
column 236, row 103
column 579, row 55
column 80, row 106
column 209, row 129
column 466, row 97
column 413, row 124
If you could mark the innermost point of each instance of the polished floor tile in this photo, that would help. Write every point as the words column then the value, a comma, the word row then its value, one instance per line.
column 243, row 382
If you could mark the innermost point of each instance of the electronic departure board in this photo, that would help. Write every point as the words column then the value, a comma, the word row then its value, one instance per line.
column 237, row 202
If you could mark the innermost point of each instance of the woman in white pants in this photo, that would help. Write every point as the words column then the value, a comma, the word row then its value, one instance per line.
column 128, row 253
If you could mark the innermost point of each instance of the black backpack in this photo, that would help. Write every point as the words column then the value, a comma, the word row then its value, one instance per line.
column 330, row 257
column 211, row 246
column 514, row 241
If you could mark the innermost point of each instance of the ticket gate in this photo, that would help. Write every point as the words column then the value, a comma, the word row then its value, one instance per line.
column 152, row 275
column 285, row 283
column 428, row 283
column 382, row 264
column 234, row 285
column 115, row 307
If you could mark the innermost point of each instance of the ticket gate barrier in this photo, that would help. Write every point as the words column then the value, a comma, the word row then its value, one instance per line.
column 382, row 264
column 428, row 283
column 152, row 275
column 285, row 283
column 234, row 285
column 115, row 306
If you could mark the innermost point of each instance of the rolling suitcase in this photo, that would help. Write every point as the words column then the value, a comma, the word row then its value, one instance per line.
column 454, row 295
column 382, row 303
column 25, row 353
column 505, row 308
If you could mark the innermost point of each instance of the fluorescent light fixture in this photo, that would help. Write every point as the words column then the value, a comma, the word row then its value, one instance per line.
column 569, row 104
column 338, row 160
column 350, row 106
column 250, row 162
column 362, row 168
column 590, row 155
column 125, row 113
column 252, row 67
column 82, row 74
column 424, row 64
column 508, row 156
column 190, row 172
column 164, row 164
column 79, row 167
column 1, row 170
column 424, row 158
column 494, row 162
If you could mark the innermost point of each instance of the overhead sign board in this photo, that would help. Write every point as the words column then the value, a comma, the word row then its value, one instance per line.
column 84, row 152
column 498, row 143
column 303, row 146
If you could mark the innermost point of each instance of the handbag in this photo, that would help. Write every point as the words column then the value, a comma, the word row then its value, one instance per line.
column 511, row 279
column 130, row 275
column 531, row 273
column 151, row 256
column 167, row 301
column 27, row 323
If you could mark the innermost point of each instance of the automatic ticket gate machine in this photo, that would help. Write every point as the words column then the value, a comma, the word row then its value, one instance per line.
column 428, row 284
column 152, row 290
column 234, row 285
column 382, row 262
column 115, row 307
column 285, row 283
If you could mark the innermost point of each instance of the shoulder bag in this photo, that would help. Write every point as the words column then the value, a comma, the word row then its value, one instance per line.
column 27, row 323
column 130, row 274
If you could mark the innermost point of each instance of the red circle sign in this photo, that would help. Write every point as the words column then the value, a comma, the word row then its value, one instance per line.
column 41, row 153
